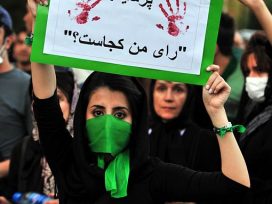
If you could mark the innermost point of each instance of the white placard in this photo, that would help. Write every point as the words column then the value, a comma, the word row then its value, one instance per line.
column 163, row 34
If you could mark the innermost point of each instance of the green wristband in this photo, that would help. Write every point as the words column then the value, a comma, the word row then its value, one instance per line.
column 29, row 39
column 221, row 132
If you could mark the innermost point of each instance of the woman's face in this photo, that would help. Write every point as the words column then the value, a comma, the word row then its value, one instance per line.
column 64, row 104
column 253, row 67
column 105, row 101
column 169, row 98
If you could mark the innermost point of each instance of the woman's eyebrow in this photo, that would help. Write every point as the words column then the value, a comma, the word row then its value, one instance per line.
column 179, row 85
column 120, row 108
column 97, row 106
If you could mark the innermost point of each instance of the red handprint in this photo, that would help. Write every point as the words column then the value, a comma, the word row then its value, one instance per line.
column 173, row 29
column 86, row 7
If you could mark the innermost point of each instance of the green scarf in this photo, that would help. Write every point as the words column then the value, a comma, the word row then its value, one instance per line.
column 117, row 174
column 108, row 134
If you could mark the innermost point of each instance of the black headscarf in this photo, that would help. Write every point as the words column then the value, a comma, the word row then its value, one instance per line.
column 86, row 161
column 163, row 134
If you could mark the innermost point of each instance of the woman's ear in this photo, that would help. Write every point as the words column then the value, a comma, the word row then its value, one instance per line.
column 9, row 41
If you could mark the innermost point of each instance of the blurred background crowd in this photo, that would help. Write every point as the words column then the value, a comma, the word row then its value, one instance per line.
column 244, row 54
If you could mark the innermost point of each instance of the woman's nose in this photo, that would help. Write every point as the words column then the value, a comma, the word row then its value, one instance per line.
column 252, row 74
column 169, row 95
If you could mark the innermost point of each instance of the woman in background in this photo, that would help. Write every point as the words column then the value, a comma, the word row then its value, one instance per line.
column 29, row 170
column 256, row 113
column 174, row 138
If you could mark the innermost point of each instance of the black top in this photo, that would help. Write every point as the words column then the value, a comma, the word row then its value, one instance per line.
column 25, row 168
column 80, row 181
column 256, row 146
column 180, row 141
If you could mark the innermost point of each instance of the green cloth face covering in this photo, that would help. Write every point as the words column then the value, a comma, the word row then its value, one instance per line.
column 108, row 134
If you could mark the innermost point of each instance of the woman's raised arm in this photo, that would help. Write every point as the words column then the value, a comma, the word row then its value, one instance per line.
column 215, row 94
column 262, row 13
column 43, row 76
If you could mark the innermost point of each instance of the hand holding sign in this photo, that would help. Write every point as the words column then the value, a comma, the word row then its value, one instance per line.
column 32, row 5
column 216, row 91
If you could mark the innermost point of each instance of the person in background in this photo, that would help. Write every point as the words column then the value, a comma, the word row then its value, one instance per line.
column 15, row 113
column 256, row 113
column 29, row 170
column 21, row 52
column 239, row 41
column 174, row 138
column 255, row 108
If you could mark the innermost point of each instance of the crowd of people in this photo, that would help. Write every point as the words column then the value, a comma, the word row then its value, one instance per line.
column 119, row 139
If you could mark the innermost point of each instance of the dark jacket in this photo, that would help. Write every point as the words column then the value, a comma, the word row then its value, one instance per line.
column 257, row 148
column 79, row 179
column 25, row 168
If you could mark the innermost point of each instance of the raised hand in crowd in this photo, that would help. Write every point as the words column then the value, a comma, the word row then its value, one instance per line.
column 215, row 94
column 262, row 13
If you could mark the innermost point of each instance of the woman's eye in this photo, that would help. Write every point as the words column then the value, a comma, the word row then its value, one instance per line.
column 161, row 88
column 120, row 115
column 179, row 89
column 97, row 113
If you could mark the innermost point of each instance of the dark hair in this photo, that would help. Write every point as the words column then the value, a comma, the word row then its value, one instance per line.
column 8, row 32
column 226, row 32
column 262, row 50
column 65, row 82
column 22, row 29
column 116, row 83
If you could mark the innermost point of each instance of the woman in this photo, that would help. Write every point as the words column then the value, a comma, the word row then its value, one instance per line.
column 174, row 138
column 29, row 170
column 128, row 171
column 107, row 160
column 256, row 113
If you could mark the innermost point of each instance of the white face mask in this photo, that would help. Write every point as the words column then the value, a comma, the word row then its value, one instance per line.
column 255, row 87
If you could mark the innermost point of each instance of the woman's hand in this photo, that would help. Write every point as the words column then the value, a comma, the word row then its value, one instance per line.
column 253, row 4
column 262, row 13
column 33, row 4
column 55, row 201
column 3, row 200
column 216, row 91
column 249, row 2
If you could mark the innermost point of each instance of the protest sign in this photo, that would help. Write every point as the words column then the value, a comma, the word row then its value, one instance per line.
column 163, row 39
